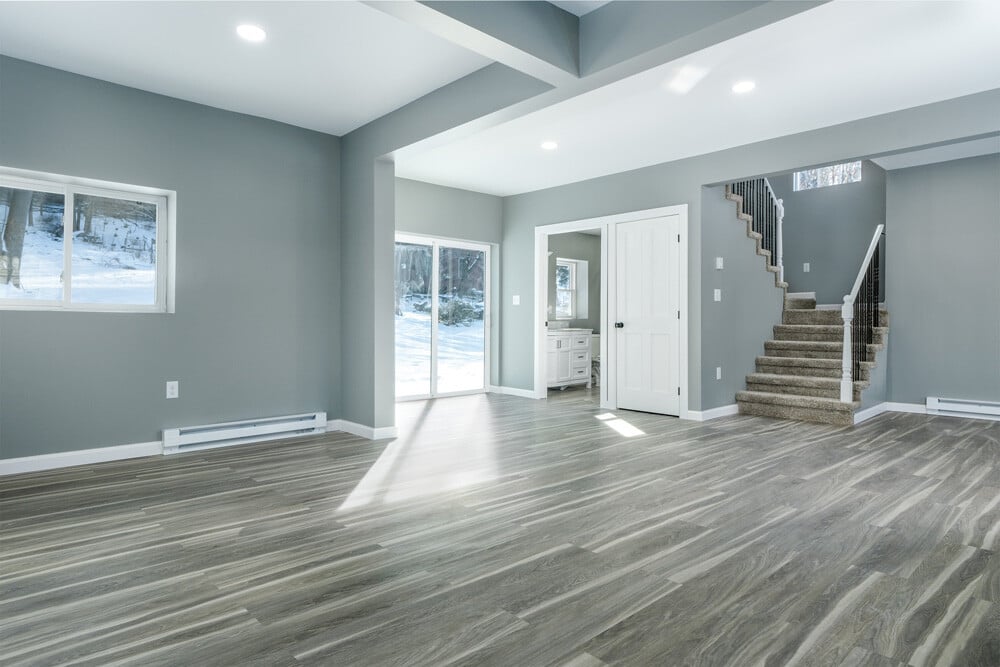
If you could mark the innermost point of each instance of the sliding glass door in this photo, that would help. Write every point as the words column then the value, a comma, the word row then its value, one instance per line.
column 442, row 304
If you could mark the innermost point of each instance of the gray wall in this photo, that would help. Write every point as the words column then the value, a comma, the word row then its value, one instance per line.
column 680, row 182
column 451, row 213
column 749, row 299
column 588, row 248
column 830, row 228
column 255, row 330
column 943, row 280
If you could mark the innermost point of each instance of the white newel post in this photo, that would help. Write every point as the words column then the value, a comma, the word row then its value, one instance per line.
column 846, row 381
column 781, row 221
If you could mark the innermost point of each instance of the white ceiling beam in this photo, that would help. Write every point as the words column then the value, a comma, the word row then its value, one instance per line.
column 535, row 38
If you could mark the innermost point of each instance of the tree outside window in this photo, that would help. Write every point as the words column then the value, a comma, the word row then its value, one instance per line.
column 565, row 289
column 835, row 174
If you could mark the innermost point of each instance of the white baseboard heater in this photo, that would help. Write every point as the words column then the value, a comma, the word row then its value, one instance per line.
column 191, row 438
column 963, row 408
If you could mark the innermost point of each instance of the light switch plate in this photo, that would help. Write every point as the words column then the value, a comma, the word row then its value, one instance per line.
column 718, row 263
column 717, row 295
column 718, row 372
column 805, row 267
column 517, row 299
column 173, row 389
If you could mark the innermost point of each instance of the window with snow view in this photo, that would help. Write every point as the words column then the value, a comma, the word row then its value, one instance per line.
column 565, row 289
column 81, row 247
column 835, row 174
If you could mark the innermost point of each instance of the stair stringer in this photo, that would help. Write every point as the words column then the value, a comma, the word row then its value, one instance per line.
column 766, row 254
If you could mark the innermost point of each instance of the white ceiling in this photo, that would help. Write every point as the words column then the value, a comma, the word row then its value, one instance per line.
column 327, row 66
column 956, row 151
column 838, row 62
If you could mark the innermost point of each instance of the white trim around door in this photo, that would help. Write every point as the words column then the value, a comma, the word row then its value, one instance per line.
column 608, row 362
column 436, row 242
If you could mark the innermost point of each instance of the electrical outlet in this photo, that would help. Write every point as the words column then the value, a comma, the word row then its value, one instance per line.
column 173, row 389
column 718, row 372
column 718, row 263
column 717, row 295
column 805, row 267
column 517, row 299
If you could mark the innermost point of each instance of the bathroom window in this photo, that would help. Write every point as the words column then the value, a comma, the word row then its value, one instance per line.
column 566, row 273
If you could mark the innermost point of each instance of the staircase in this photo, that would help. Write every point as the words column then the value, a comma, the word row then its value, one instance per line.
column 799, row 376
column 819, row 361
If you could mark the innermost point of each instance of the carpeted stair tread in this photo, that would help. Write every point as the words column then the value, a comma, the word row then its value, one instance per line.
column 811, row 316
column 804, row 348
column 801, row 385
column 799, row 362
column 822, row 416
column 791, row 400
column 816, row 381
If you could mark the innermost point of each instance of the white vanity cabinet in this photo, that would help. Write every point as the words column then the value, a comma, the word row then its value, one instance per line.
column 568, row 358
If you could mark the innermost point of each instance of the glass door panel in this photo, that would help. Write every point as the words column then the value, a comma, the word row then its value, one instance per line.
column 461, row 334
column 414, row 303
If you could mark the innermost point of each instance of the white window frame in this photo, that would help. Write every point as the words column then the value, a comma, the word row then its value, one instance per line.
column 69, row 186
column 572, row 265
column 795, row 177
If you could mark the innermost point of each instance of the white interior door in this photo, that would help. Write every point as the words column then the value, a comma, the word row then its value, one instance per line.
column 646, row 318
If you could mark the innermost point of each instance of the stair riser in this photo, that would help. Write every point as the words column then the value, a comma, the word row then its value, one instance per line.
column 818, row 392
column 826, row 317
column 808, row 371
column 808, row 336
column 803, row 354
column 800, row 303
column 801, row 414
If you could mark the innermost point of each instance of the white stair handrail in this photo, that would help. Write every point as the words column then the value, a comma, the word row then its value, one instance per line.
column 847, row 313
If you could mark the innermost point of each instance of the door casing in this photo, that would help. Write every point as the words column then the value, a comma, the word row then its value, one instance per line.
column 609, row 379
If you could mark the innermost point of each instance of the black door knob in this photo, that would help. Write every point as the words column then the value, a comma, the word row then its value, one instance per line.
column 619, row 325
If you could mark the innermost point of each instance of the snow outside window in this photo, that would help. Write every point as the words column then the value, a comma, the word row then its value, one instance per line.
column 835, row 174
column 67, row 244
column 565, row 289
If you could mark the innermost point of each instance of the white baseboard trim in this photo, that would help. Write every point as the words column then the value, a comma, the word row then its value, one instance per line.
column 868, row 413
column 79, row 458
column 371, row 433
column 714, row 413
column 916, row 408
column 512, row 391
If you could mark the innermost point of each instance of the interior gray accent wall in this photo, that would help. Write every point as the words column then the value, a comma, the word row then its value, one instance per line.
column 680, row 182
column 830, row 228
column 943, row 280
column 255, row 331
column 451, row 213
column 587, row 247
column 749, row 298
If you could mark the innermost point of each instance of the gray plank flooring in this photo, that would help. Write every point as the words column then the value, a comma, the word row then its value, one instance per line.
column 504, row 531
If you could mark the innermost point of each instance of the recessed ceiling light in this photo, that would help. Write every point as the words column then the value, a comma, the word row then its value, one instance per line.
column 743, row 86
column 549, row 145
column 251, row 33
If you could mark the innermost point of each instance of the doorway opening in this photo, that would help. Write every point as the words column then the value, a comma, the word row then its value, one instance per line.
column 442, row 304
column 643, row 320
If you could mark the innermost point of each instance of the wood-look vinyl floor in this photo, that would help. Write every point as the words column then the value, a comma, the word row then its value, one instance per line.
column 505, row 531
